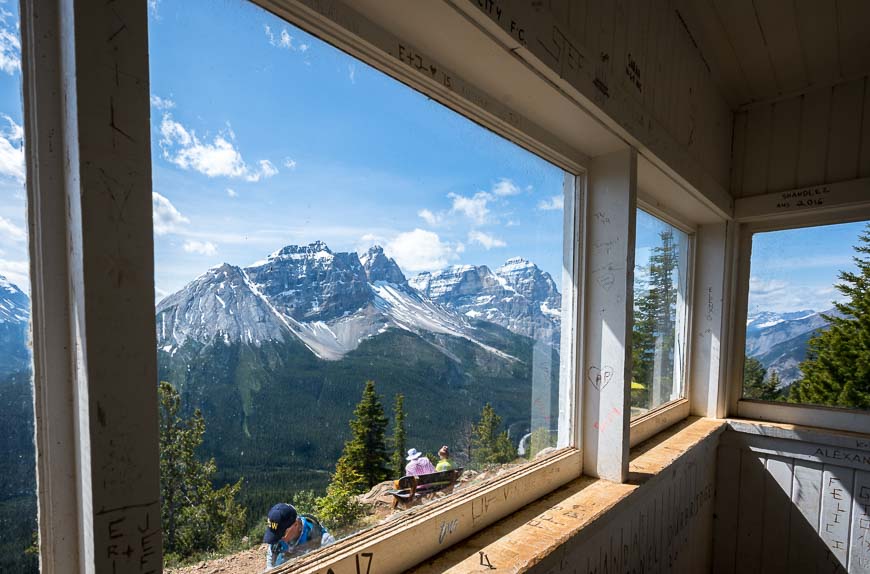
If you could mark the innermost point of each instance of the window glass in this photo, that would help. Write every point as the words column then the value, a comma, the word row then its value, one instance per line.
column 806, row 326
column 18, row 546
column 660, row 314
column 349, row 277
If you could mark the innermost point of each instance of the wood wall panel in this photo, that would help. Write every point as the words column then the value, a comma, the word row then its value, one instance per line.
column 791, row 506
column 821, row 136
column 641, row 66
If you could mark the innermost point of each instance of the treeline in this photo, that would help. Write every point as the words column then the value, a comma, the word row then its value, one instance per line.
column 370, row 457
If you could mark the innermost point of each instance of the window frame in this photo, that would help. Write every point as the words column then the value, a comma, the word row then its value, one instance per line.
column 835, row 418
column 665, row 415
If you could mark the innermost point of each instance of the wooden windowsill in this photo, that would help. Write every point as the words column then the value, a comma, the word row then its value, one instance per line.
column 523, row 539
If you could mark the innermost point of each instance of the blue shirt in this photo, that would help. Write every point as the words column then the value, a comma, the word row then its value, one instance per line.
column 281, row 551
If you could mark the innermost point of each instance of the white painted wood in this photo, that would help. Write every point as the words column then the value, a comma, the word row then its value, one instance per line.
column 777, row 513
column 812, row 159
column 814, row 200
column 806, row 496
column 88, row 149
column 844, row 141
column 837, row 484
column 778, row 20
column 706, row 379
column 785, row 139
column 738, row 18
column 750, row 517
column 54, row 392
column 757, row 153
column 611, row 207
column 817, row 26
column 573, row 284
column 654, row 422
column 824, row 417
column 859, row 538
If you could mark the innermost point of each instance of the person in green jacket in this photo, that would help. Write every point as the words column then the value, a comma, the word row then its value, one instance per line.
column 444, row 459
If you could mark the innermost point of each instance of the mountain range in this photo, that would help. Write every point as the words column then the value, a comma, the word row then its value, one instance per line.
column 14, row 328
column 331, row 302
column 779, row 340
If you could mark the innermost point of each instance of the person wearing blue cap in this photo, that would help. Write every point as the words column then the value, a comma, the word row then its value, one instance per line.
column 289, row 534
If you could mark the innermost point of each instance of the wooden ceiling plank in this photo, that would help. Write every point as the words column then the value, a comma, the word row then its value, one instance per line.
column 757, row 153
column 853, row 20
column 778, row 20
column 812, row 160
column 712, row 39
column 844, row 141
column 817, row 26
column 738, row 18
column 738, row 153
column 784, row 145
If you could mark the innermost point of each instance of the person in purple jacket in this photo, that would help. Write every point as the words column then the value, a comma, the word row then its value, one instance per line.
column 417, row 464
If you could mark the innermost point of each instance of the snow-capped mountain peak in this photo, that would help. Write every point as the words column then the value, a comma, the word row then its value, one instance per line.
column 332, row 301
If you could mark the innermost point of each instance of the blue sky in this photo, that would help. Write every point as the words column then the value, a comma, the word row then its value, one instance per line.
column 271, row 137
column 264, row 136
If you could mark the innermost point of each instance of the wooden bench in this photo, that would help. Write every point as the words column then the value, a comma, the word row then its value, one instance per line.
column 409, row 488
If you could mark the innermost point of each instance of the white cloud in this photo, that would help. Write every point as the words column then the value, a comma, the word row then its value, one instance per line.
column 475, row 208
column 200, row 247
column 505, row 188
column 555, row 203
column 289, row 163
column 12, row 150
column 265, row 169
column 780, row 296
column 232, row 192
column 220, row 158
column 283, row 40
column 153, row 5
column 16, row 271
column 484, row 239
column 167, row 219
column 12, row 231
column 351, row 73
column 421, row 250
column 161, row 103
column 433, row 219
column 10, row 49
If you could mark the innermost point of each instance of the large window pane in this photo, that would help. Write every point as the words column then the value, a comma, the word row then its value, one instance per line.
column 17, row 469
column 806, row 327
column 320, row 226
column 660, row 314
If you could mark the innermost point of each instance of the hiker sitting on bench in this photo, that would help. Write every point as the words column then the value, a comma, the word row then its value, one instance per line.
column 418, row 464
column 444, row 462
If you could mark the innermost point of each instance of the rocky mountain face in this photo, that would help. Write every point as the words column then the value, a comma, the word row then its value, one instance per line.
column 779, row 340
column 518, row 296
column 330, row 301
column 14, row 326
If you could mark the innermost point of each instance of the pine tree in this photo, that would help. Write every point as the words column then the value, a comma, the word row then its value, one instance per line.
column 489, row 445
column 366, row 452
column 195, row 516
column 652, row 346
column 837, row 368
column 399, row 442
column 753, row 378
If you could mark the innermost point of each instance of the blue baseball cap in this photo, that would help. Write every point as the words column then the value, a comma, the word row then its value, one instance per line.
column 280, row 518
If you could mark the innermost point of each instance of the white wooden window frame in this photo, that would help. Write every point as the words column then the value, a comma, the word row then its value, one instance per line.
column 841, row 203
column 661, row 417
